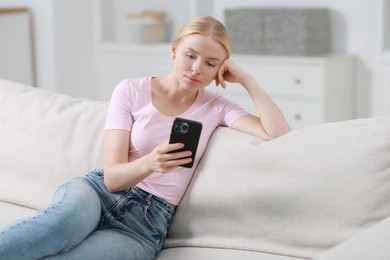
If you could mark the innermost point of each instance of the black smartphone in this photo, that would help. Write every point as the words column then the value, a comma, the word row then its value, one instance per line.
column 187, row 132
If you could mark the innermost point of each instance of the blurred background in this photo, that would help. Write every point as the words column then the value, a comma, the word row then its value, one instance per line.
column 321, row 60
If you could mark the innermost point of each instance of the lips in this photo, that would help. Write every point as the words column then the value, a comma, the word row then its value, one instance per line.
column 191, row 79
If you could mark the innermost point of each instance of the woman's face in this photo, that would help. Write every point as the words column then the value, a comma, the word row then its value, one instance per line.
column 197, row 60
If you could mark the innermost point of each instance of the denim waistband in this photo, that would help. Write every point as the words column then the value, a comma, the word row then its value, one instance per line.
column 153, row 200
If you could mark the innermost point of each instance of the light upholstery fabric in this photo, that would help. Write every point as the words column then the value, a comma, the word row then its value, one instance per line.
column 46, row 139
column 10, row 212
column 368, row 244
column 297, row 195
column 198, row 253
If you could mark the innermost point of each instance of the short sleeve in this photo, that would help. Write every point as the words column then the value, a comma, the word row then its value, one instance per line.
column 119, row 114
column 230, row 111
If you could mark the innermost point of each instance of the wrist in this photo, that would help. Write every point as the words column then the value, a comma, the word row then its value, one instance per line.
column 145, row 165
column 248, row 80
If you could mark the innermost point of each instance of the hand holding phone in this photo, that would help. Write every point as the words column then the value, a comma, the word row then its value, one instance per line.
column 187, row 132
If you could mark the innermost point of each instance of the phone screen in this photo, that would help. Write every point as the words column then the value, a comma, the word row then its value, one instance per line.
column 187, row 132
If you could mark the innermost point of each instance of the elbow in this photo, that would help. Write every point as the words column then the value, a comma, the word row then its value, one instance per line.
column 284, row 131
column 112, row 186
column 277, row 134
column 271, row 131
column 118, row 179
column 109, row 186
column 109, row 181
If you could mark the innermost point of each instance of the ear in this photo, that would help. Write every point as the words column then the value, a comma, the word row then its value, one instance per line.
column 173, row 53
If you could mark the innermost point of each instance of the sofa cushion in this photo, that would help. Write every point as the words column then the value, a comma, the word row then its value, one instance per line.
column 296, row 195
column 372, row 243
column 10, row 212
column 199, row 253
column 46, row 139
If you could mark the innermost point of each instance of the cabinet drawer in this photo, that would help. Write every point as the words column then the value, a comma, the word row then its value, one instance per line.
column 287, row 80
column 300, row 113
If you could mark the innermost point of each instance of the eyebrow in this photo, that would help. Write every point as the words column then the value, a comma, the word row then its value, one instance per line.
column 211, row 58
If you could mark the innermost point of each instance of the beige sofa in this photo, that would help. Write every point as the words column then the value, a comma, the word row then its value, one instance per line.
column 317, row 193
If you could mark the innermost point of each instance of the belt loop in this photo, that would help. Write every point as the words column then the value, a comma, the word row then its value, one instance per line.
column 148, row 199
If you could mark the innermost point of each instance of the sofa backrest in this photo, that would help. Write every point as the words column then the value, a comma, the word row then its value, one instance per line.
column 46, row 139
column 296, row 195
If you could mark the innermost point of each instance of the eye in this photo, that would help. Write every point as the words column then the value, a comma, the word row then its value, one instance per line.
column 210, row 64
column 190, row 55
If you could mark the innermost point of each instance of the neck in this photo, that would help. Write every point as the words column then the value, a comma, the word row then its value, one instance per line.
column 169, row 98
column 171, row 88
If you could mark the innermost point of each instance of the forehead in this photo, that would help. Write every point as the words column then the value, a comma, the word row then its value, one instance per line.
column 204, row 45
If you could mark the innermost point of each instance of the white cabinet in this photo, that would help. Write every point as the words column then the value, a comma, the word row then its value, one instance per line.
column 121, row 61
column 309, row 90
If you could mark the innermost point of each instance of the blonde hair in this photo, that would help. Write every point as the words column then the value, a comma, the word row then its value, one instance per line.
column 205, row 25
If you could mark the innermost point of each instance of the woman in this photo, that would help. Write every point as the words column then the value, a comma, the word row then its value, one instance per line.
column 124, row 211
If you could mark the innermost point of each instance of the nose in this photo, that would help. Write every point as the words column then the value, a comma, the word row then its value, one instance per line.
column 196, row 67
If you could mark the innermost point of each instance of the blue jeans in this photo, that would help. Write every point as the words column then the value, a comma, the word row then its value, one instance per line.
column 85, row 221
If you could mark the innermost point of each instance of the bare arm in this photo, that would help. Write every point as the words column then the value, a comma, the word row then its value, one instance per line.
column 120, row 174
column 271, row 122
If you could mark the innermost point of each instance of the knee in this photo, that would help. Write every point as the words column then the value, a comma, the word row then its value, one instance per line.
column 76, row 207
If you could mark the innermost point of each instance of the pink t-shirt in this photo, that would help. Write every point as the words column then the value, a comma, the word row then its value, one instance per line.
column 131, row 109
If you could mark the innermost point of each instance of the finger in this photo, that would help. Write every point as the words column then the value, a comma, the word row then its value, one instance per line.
column 216, row 81
column 171, row 147
column 221, row 80
column 177, row 155
column 173, row 164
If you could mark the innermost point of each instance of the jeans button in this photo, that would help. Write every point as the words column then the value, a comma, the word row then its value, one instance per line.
column 148, row 202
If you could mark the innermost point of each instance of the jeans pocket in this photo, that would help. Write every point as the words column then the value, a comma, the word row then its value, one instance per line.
column 156, row 220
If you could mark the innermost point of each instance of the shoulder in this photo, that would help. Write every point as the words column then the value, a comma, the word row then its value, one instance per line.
column 128, row 91
column 209, row 96
column 216, row 98
column 133, row 85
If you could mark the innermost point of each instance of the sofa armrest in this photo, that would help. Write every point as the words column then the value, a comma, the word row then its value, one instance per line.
column 372, row 243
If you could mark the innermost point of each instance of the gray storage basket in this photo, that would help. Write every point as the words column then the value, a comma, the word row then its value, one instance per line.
column 279, row 31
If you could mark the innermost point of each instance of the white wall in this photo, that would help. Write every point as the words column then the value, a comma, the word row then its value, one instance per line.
column 64, row 44
column 44, row 45
column 75, row 47
column 16, row 54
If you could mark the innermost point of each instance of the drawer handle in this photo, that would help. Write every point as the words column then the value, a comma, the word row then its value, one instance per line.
column 298, row 81
column 297, row 117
